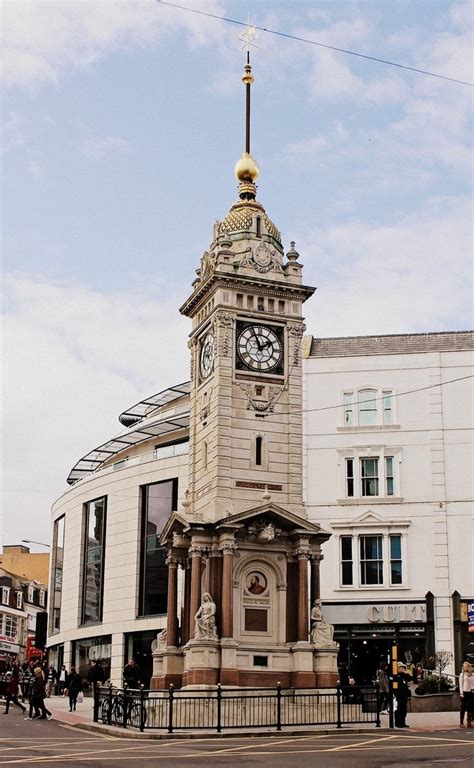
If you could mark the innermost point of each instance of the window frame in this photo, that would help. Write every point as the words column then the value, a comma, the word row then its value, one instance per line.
column 5, row 595
column 352, row 401
column 357, row 482
column 386, row 530
column 85, row 622
column 144, row 537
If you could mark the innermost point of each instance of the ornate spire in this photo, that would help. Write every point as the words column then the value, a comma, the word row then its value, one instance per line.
column 246, row 169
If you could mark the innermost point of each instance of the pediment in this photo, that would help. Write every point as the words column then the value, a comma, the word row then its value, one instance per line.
column 175, row 524
column 370, row 519
column 281, row 517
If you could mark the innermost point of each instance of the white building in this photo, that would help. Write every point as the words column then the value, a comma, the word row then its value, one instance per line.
column 388, row 471
column 389, row 439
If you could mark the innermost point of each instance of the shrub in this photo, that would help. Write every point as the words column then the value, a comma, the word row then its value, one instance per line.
column 433, row 684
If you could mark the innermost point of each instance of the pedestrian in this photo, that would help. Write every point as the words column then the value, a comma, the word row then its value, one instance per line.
column 382, row 682
column 402, row 695
column 12, row 690
column 37, row 698
column 62, row 679
column 73, row 687
column 466, row 694
column 51, row 676
column 131, row 674
column 97, row 678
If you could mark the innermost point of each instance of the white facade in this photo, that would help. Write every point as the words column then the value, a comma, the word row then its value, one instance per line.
column 393, row 417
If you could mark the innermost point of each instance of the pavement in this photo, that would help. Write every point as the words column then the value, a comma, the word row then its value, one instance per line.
column 419, row 722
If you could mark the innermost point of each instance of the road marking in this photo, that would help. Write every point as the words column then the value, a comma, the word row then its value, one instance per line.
column 360, row 743
column 196, row 755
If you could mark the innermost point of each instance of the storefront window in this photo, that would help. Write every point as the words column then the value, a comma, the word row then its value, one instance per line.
column 98, row 649
column 158, row 502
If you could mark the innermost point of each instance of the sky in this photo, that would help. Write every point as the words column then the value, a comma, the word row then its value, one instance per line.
column 121, row 125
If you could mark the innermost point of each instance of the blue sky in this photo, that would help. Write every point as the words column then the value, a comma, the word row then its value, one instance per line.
column 121, row 126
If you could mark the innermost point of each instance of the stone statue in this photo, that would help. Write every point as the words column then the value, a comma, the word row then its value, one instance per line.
column 161, row 640
column 321, row 632
column 205, row 619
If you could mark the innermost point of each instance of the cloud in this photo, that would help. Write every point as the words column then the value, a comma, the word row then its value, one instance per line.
column 105, row 147
column 413, row 275
column 44, row 40
column 74, row 358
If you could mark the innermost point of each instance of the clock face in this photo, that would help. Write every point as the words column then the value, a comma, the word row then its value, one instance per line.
column 260, row 348
column 206, row 358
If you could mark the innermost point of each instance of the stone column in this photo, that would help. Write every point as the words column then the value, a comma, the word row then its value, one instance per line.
column 195, row 601
column 172, row 604
column 227, row 607
column 186, row 626
column 315, row 577
column 302, row 596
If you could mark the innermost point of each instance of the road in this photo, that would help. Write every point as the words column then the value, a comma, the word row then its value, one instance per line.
column 52, row 744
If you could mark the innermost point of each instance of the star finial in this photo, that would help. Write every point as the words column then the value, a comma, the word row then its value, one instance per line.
column 248, row 37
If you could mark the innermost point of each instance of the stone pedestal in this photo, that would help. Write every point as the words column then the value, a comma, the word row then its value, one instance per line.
column 167, row 668
column 202, row 662
column 302, row 668
column 229, row 673
column 325, row 666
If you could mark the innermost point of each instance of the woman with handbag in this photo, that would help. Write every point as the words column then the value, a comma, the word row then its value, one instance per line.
column 74, row 688
column 466, row 694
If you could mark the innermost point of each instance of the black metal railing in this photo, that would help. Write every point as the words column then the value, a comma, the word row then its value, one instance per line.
column 239, row 709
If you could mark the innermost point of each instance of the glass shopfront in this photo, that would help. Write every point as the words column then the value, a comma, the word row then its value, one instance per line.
column 90, row 649
column 363, row 645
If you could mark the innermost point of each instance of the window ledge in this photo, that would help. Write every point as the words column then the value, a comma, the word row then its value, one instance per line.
column 370, row 500
column 372, row 588
column 370, row 428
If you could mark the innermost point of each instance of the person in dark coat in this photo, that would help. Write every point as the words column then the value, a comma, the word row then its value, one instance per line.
column 12, row 690
column 73, row 687
column 131, row 674
column 37, row 697
column 402, row 695
column 97, row 677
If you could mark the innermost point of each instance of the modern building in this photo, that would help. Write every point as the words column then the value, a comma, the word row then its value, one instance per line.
column 281, row 450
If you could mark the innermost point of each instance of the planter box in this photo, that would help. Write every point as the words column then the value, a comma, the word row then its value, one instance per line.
column 435, row 702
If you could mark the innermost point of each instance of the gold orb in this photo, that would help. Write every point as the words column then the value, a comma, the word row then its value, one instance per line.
column 246, row 169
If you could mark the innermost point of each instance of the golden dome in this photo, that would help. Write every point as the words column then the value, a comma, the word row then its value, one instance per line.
column 246, row 169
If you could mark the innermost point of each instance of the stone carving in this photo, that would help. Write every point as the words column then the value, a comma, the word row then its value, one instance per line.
column 260, row 405
column 297, row 332
column 222, row 327
column 205, row 619
column 321, row 632
column 161, row 641
column 261, row 531
column 208, row 263
column 266, row 534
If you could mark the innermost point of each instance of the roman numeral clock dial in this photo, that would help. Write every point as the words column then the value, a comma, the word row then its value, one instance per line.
column 259, row 348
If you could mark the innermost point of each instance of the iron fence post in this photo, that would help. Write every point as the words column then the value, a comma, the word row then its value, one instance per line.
column 339, row 708
column 96, row 707
column 109, row 713
column 142, row 708
column 125, row 706
column 170, row 708
column 390, row 702
column 219, row 705
column 278, row 706
column 377, row 697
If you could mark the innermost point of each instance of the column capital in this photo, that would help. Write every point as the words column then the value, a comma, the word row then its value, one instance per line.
column 301, row 554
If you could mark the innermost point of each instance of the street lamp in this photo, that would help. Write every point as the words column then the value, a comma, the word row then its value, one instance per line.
column 30, row 541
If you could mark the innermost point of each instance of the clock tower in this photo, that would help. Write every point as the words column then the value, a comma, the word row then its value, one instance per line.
column 242, row 536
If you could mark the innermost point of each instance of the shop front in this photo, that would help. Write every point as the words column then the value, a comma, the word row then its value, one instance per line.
column 463, row 616
column 87, row 650
column 138, row 646
column 9, row 653
column 367, row 631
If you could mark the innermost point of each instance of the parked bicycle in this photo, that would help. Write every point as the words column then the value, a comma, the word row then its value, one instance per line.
column 113, row 706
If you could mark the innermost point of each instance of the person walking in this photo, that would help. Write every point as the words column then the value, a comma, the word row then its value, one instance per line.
column 73, row 687
column 62, row 680
column 466, row 694
column 12, row 690
column 402, row 695
column 131, row 674
column 37, row 698
column 51, row 676
column 382, row 682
